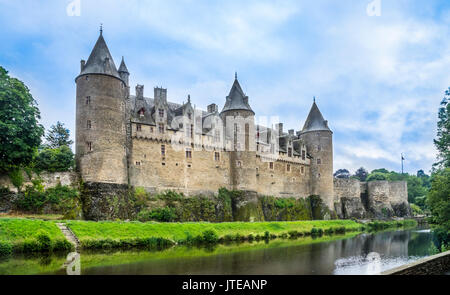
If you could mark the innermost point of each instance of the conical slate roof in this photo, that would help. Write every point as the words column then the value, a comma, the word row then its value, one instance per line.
column 100, row 61
column 123, row 67
column 315, row 120
column 236, row 99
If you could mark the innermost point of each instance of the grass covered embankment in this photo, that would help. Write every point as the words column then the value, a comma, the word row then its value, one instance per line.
column 106, row 234
column 26, row 235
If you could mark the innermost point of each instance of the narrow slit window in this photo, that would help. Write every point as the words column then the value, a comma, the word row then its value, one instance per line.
column 188, row 154
column 163, row 150
column 216, row 156
column 89, row 146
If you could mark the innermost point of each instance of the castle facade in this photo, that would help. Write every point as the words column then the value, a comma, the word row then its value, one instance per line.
column 160, row 145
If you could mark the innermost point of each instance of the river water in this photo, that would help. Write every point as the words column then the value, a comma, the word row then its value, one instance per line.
column 364, row 253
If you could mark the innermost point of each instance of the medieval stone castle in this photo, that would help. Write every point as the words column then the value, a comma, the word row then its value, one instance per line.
column 162, row 145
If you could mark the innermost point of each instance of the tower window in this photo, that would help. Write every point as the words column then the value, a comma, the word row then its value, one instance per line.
column 189, row 116
column 161, row 112
column 138, row 163
column 188, row 154
column 271, row 165
column 319, row 161
column 163, row 150
column 138, row 127
column 302, row 169
column 88, row 124
column 87, row 78
column 289, row 152
column 303, row 155
column 319, row 148
column 288, row 167
column 89, row 146
column 216, row 136
column 88, row 100
column 216, row 156
column 161, row 128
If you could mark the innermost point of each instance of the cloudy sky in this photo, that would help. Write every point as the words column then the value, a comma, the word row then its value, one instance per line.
column 378, row 75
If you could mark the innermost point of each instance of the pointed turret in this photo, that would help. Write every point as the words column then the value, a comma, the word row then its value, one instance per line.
column 315, row 120
column 123, row 67
column 100, row 61
column 236, row 99
column 123, row 72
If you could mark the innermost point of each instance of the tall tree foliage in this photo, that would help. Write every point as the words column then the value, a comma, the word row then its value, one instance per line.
column 442, row 142
column 20, row 132
column 438, row 199
column 361, row 174
column 58, row 136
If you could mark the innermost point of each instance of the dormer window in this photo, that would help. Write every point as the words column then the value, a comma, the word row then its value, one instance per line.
column 303, row 155
column 289, row 152
column 189, row 116
column 161, row 112
column 141, row 112
column 161, row 128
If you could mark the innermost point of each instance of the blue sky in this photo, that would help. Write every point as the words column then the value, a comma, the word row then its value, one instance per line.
column 378, row 80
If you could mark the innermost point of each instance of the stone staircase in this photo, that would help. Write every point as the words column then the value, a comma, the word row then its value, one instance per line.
column 69, row 235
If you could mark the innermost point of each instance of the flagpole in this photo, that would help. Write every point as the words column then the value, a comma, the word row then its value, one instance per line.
column 402, row 162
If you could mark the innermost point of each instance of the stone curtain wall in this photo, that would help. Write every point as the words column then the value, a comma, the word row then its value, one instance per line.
column 375, row 199
column 347, row 199
column 48, row 180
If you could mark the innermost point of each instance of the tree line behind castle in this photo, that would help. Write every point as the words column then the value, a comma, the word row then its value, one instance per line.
column 23, row 156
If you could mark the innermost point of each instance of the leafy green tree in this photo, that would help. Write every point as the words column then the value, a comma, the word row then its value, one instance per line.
column 377, row 176
column 438, row 200
column 442, row 142
column 58, row 136
column 20, row 132
column 425, row 178
column 54, row 160
column 361, row 174
column 415, row 188
column 342, row 173
column 381, row 170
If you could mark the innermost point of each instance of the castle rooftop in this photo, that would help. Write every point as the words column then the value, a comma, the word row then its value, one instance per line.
column 100, row 60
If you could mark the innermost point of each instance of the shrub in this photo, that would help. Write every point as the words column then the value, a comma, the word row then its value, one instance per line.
column 6, row 248
column 266, row 235
column 329, row 231
column 44, row 241
column 416, row 210
column 16, row 178
column 210, row 237
column 250, row 237
column 165, row 214
column 62, row 245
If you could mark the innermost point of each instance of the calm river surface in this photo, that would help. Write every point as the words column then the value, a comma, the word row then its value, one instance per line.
column 350, row 254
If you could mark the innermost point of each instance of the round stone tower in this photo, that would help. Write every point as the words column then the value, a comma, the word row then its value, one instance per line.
column 319, row 144
column 100, row 145
column 239, row 124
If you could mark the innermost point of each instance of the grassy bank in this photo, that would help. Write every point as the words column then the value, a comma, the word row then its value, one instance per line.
column 135, row 234
column 26, row 235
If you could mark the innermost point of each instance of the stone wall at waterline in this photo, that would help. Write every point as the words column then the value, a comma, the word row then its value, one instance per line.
column 375, row 199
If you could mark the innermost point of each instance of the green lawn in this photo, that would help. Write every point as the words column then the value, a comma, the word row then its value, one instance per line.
column 88, row 230
column 22, row 235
